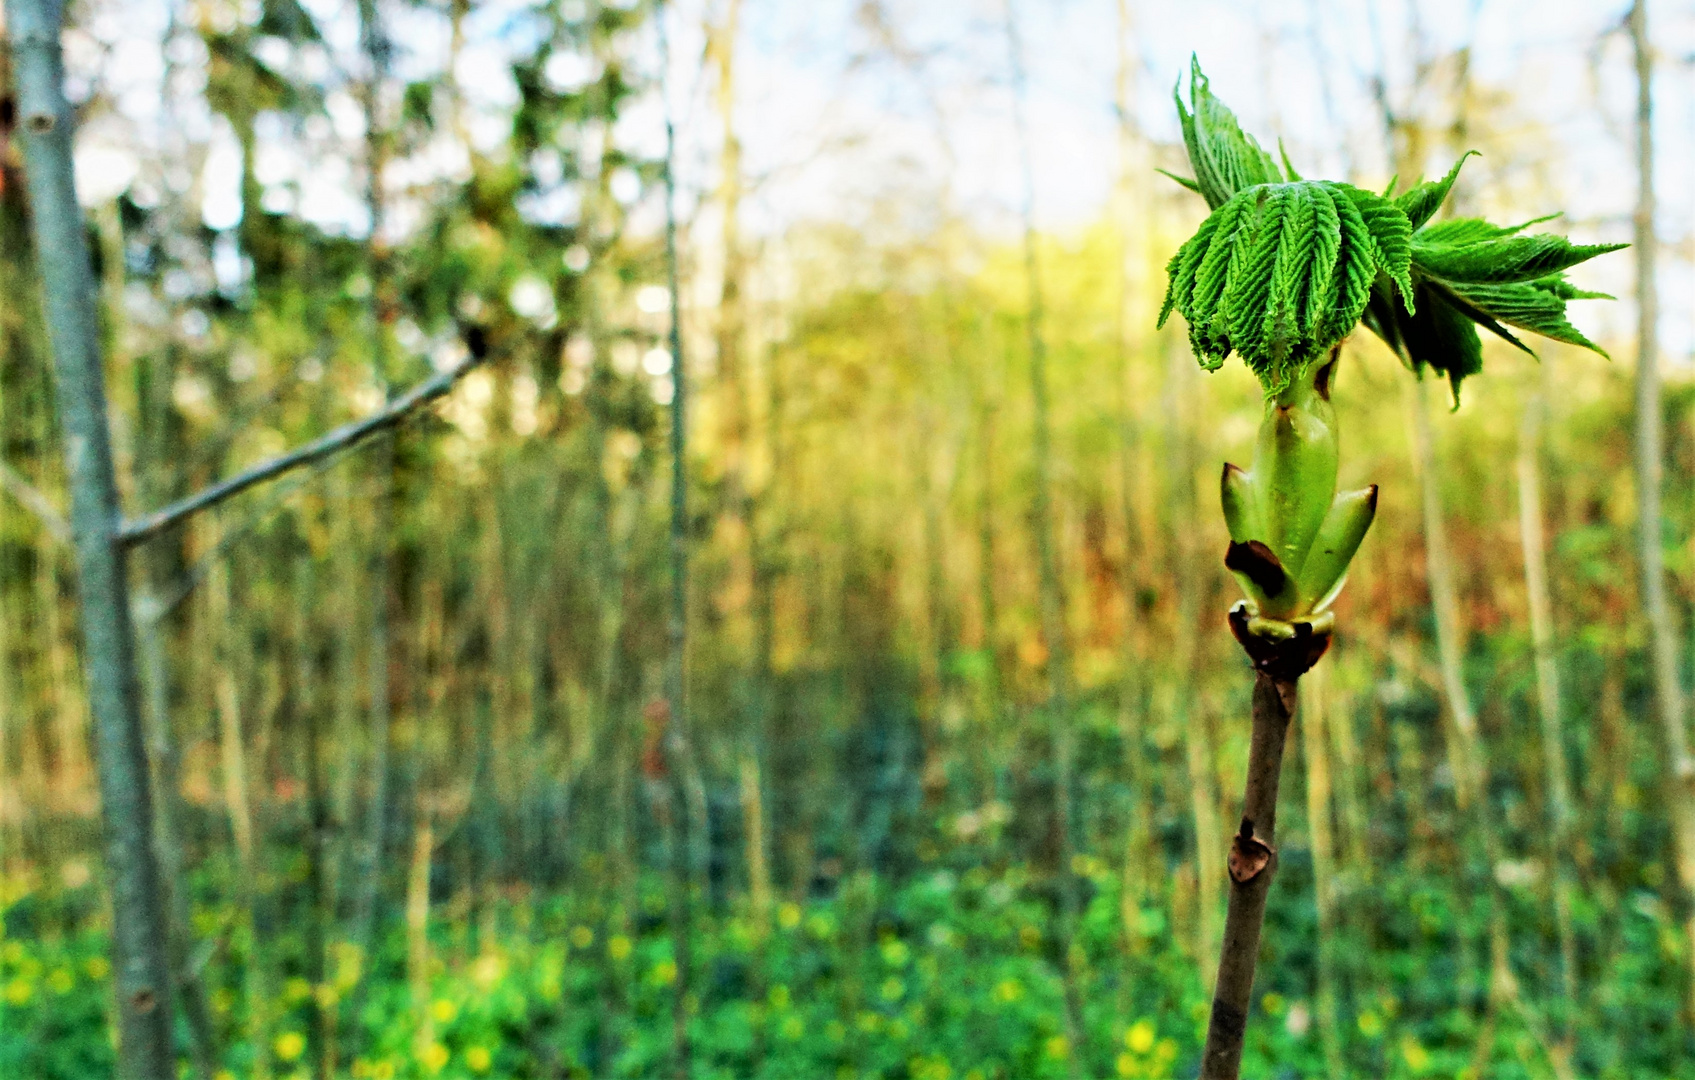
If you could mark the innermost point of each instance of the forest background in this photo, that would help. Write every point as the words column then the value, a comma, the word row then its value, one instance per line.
column 412, row 743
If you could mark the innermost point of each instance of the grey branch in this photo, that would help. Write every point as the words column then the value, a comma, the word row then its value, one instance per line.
column 137, row 530
column 30, row 497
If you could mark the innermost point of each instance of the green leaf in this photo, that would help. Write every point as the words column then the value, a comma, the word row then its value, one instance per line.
column 1391, row 236
column 1471, row 230
column 1538, row 306
column 1226, row 160
column 1440, row 336
column 1508, row 259
column 1422, row 200
column 1355, row 268
column 1184, row 180
column 1281, row 272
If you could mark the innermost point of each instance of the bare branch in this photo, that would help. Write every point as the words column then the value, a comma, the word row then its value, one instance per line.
column 31, row 498
column 137, row 530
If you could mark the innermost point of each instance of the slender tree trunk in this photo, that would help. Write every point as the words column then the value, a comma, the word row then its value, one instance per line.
column 1555, row 770
column 991, row 760
column 418, row 935
column 1178, row 459
column 677, row 752
column 1251, row 871
column 367, row 881
column 1314, row 719
column 1480, row 846
column 1650, row 468
column 1132, row 686
column 1054, row 634
column 320, row 1019
column 140, row 926
column 232, row 756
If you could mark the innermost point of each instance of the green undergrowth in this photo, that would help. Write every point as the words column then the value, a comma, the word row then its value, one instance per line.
column 951, row 976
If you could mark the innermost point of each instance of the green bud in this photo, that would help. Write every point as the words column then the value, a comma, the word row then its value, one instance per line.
column 1295, row 465
column 1241, row 512
column 1327, row 563
column 1291, row 535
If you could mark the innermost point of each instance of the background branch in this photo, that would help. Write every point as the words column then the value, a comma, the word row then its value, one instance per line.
column 32, row 499
column 342, row 438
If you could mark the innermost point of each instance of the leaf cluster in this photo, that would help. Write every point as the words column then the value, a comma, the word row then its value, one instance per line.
column 1285, row 267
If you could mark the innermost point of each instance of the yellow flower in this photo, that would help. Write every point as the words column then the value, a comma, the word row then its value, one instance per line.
column 582, row 937
column 665, row 972
column 1417, row 1057
column 619, row 947
column 869, row 1022
column 223, row 1000
column 1166, row 1050
column 788, row 916
column 434, row 1057
column 478, row 1059
column 296, row 990
column 1007, row 991
column 289, row 1045
column 1370, row 1024
column 893, row 989
column 18, row 992
column 326, row 996
column 1273, row 1004
column 1057, row 1047
column 61, row 981
column 98, row 967
column 1126, row 1065
column 779, row 996
column 224, row 1074
column 895, row 953
column 1140, row 1037
column 443, row 1010
column 793, row 1028
column 899, row 1029
column 382, row 1070
column 487, row 971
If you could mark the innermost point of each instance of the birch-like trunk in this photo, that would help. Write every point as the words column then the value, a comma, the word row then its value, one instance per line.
column 1315, row 719
column 1650, row 469
column 1052, row 594
column 140, row 924
column 1556, row 773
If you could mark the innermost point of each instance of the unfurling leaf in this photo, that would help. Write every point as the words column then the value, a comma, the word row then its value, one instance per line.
column 1282, row 271
column 1284, row 267
column 1226, row 160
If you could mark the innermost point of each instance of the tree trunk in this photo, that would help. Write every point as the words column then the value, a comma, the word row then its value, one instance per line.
column 140, row 927
column 231, row 658
column 1138, row 859
column 678, row 756
column 418, row 935
column 1054, row 634
column 367, row 881
column 1650, row 468
column 1178, row 692
column 1314, row 719
column 1555, row 770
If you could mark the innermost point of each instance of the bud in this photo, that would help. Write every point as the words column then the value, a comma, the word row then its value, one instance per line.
column 1291, row 535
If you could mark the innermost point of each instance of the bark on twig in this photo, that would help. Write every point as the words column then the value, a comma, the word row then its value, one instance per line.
column 137, row 530
column 1253, row 862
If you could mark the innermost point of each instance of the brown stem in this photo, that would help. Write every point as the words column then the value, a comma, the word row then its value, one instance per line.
column 1253, row 861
